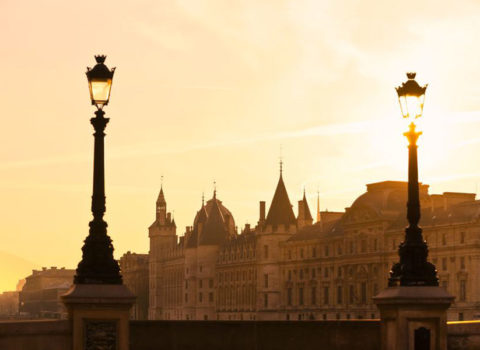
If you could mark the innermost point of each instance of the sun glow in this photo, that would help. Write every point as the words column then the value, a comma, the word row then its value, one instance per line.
column 435, row 141
column 391, row 146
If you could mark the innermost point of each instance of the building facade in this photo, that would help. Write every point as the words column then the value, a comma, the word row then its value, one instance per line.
column 134, row 270
column 289, row 268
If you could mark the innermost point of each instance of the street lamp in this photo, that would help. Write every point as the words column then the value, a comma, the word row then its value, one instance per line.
column 413, row 268
column 98, row 265
column 100, row 82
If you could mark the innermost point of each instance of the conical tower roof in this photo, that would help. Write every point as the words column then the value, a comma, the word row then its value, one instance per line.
column 307, row 214
column 280, row 212
column 161, row 197
column 201, row 218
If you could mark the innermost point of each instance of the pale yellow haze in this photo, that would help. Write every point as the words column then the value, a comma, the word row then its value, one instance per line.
column 210, row 90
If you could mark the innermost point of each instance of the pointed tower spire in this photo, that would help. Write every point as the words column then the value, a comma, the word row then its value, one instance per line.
column 304, row 216
column 161, row 206
column 214, row 189
column 308, row 215
column 281, row 161
column 161, row 196
column 280, row 212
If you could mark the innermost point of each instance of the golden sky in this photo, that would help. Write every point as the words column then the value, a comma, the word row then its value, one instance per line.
column 209, row 90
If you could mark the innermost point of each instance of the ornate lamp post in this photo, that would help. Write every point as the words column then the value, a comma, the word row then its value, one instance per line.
column 98, row 303
column 413, row 268
column 98, row 265
column 413, row 309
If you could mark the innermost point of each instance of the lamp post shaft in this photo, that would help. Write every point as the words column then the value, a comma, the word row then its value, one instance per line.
column 98, row 265
column 413, row 202
column 413, row 268
column 98, row 197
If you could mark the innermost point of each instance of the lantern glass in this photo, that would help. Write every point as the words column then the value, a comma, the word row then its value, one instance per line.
column 411, row 106
column 411, row 97
column 100, row 91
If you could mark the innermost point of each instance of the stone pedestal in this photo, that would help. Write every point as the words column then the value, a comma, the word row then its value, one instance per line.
column 413, row 318
column 100, row 316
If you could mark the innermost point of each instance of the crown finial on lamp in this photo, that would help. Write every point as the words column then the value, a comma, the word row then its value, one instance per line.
column 100, row 58
column 411, row 75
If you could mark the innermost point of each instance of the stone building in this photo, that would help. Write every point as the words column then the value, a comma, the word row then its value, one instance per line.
column 8, row 304
column 40, row 295
column 289, row 268
column 332, row 270
column 134, row 269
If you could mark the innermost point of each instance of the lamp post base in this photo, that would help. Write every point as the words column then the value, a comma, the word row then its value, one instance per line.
column 413, row 318
column 100, row 316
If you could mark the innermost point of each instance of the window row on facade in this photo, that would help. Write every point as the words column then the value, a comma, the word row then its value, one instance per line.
column 352, row 294
column 362, row 245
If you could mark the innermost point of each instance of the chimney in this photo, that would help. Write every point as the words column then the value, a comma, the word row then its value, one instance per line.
column 262, row 211
column 247, row 228
column 169, row 217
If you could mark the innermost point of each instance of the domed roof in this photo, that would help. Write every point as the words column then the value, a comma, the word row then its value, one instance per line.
column 212, row 224
column 386, row 197
column 215, row 229
column 227, row 215
column 387, row 201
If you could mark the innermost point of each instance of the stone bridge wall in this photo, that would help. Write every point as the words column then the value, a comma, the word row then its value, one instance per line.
column 255, row 335
column 35, row 335
column 231, row 335
column 464, row 335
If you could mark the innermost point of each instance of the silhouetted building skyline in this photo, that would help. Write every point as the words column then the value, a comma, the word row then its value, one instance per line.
column 287, row 267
